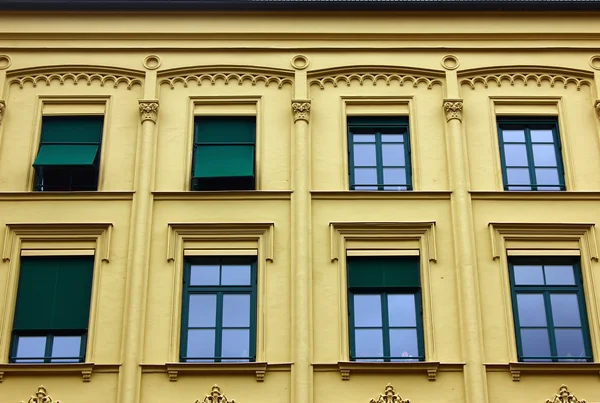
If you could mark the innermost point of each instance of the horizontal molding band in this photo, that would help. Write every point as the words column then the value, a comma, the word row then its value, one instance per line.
column 380, row 195
column 51, row 196
column 223, row 195
column 534, row 195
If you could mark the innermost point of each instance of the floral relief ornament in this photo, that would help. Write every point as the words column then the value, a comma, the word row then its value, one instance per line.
column 390, row 396
column 41, row 396
column 149, row 110
column 301, row 110
column 564, row 396
column 453, row 110
column 215, row 397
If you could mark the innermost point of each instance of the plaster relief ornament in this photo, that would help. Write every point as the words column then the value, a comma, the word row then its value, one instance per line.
column 149, row 110
column 564, row 396
column 216, row 397
column 301, row 110
column 2, row 107
column 390, row 396
column 453, row 110
column 41, row 397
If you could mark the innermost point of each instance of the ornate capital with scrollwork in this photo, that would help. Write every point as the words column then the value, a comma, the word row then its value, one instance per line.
column 301, row 108
column 453, row 109
column 564, row 396
column 389, row 396
column 596, row 105
column 149, row 110
column 41, row 396
column 2, row 108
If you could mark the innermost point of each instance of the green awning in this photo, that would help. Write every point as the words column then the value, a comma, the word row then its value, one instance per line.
column 66, row 155
column 224, row 161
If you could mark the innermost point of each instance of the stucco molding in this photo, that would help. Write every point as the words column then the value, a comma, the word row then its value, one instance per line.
column 453, row 108
column 215, row 396
column 525, row 75
column 2, row 109
column 564, row 396
column 428, row 368
column 175, row 369
column 389, row 396
column 301, row 109
column 85, row 369
column 41, row 396
column 76, row 74
column 375, row 75
column 148, row 110
column 226, row 74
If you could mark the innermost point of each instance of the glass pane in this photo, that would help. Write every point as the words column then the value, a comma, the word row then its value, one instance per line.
column 201, row 343
column 528, row 275
column 393, row 154
column 365, row 176
column 532, row 310
column 368, row 342
column 236, row 343
column 515, row 155
column 569, row 343
column 392, row 138
column 518, row 176
column 367, row 188
column 204, row 275
column 544, row 155
column 403, row 343
column 31, row 346
column 236, row 310
column 203, row 310
column 367, row 310
column 547, row 176
column 364, row 155
column 559, row 275
column 516, row 136
column 565, row 310
column 401, row 310
column 235, row 275
column 542, row 136
column 394, row 175
column 534, row 343
column 66, row 346
column 361, row 138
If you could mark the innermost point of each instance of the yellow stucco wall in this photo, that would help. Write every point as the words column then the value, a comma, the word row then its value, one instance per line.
column 302, row 213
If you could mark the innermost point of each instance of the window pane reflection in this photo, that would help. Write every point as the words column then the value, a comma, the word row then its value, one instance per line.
column 367, row 310
column 369, row 343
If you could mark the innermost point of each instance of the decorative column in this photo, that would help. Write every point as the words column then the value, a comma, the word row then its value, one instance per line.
column 301, row 224
column 462, row 223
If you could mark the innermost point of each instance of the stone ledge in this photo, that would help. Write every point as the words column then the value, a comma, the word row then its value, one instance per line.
column 517, row 368
column 84, row 368
column 430, row 368
column 173, row 369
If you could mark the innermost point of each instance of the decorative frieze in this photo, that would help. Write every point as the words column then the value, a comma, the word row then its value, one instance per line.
column 149, row 110
column 215, row 397
column 375, row 78
column 389, row 396
column 227, row 77
column 41, row 396
column 525, row 78
column 76, row 78
column 453, row 109
column 301, row 110
column 564, row 396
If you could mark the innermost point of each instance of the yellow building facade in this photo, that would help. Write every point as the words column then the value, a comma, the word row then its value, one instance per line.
column 451, row 79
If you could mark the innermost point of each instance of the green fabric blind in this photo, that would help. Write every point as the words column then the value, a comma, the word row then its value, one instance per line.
column 225, row 129
column 376, row 121
column 72, row 129
column 223, row 161
column 54, row 293
column 65, row 155
column 383, row 272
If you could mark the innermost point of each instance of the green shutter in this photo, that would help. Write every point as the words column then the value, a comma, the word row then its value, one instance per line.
column 223, row 161
column 227, row 129
column 72, row 129
column 54, row 293
column 383, row 272
column 66, row 155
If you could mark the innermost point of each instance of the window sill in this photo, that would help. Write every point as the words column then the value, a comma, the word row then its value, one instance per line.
column 430, row 368
column 381, row 194
column 173, row 369
column 516, row 368
column 84, row 368
column 223, row 195
column 534, row 195
column 99, row 195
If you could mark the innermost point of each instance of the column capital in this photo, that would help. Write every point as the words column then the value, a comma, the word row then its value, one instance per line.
column 2, row 108
column 453, row 109
column 148, row 110
column 596, row 106
column 301, row 109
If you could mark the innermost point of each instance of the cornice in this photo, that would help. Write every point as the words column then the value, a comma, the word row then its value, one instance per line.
column 375, row 75
column 518, row 368
column 175, row 369
column 543, row 196
column 429, row 368
column 223, row 195
column 72, row 196
column 85, row 369
column 380, row 195
column 227, row 74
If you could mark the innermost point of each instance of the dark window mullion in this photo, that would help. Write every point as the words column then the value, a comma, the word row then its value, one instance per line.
column 48, row 348
column 352, row 335
column 385, row 326
column 550, row 323
column 351, row 158
column 379, row 160
column 419, row 317
column 530, row 160
column 219, row 327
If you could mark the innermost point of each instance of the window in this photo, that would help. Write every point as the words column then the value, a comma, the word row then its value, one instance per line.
column 219, row 310
column 549, row 309
column 69, row 155
column 530, row 153
column 379, row 153
column 52, row 310
column 224, row 153
column 384, row 300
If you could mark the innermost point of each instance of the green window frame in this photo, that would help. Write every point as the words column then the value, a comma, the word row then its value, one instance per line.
column 385, row 309
column 549, row 309
column 52, row 309
column 379, row 155
column 224, row 153
column 530, row 153
column 68, row 158
column 215, row 291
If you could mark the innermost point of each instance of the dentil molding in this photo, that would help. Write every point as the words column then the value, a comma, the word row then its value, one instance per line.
column 453, row 109
column 390, row 396
column 564, row 396
column 41, row 396
column 301, row 110
column 216, row 396
column 149, row 110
